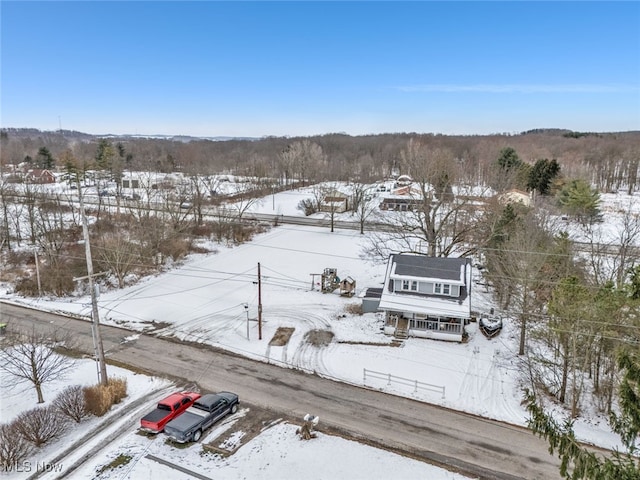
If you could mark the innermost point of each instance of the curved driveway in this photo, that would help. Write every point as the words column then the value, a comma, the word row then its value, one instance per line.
column 468, row 444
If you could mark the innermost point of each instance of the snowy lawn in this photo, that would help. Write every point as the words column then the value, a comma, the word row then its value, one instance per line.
column 204, row 298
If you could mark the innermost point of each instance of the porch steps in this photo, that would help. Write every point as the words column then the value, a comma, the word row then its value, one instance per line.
column 401, row 333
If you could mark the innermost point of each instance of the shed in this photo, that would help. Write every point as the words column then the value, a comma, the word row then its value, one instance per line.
column 371, row 300
column 347, row 287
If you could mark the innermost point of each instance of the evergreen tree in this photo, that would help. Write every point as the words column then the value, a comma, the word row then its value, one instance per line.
column 505, row 224
column 627, row 424
column 508, row 160
column 634, row 285
column 70, row 165
column 104, row 154
column 542, row 174
column 576, row 462
column 577, row 198
column 44, row 159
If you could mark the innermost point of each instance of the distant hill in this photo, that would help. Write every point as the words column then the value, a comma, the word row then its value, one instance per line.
column 75, row 135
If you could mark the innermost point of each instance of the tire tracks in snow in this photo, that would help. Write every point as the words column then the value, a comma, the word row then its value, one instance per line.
column 307, row 356
column 103, row 434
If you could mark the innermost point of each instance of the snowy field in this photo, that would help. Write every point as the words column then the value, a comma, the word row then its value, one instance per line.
column 204, row 298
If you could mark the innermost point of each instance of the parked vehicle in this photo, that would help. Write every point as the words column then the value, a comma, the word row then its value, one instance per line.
column 166, row 410
column 206, row 411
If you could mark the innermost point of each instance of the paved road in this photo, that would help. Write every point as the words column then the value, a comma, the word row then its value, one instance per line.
column 474, row 446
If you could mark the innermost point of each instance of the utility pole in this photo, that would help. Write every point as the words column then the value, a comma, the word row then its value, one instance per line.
column 95, row 323
column 246, row 309
column 259, row 304
column 35, row 252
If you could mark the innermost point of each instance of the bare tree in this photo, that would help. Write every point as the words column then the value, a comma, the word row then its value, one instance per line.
column 32, row 358
column 11, row 208
column 517, row 267
column 245, row 196
column 31, row 194
column 300, row 159
column 364, row 203
column 333, row 201
column 626, row 254
column 202, row 187
column 117, row 253
column 440, row 214
column 14, row 448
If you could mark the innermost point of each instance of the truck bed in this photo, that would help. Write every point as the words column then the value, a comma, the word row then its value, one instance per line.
column 155, row 416
column 191, row 416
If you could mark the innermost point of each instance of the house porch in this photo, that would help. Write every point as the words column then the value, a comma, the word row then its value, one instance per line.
column 443, row 328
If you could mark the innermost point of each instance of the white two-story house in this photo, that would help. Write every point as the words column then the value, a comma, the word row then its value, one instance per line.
column 427, row 297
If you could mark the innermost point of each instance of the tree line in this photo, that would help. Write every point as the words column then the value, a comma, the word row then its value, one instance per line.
column 608, row 161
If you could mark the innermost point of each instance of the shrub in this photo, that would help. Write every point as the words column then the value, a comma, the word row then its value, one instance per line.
column 307, row 206
column 99, row 398
column 14, row 448
column 176, row 248
column 353, row 308
column 71, row 403
column 40, row 425
column 118, row 389
column 53, row 279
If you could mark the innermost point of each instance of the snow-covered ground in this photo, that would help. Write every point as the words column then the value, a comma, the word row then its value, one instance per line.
column 277, row 453
column 204, row 299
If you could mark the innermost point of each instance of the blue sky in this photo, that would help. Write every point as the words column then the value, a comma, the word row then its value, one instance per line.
column 306, row 68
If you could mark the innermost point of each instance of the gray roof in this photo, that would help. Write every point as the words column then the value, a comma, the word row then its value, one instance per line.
column 373, row 293
column 429, row 267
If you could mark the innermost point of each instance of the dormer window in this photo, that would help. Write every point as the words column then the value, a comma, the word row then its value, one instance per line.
column 442, row 288
column 410, row 285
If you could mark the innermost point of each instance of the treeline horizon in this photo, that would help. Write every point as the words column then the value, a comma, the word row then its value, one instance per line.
column 610, row 161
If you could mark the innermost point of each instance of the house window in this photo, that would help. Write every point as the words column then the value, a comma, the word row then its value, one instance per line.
column 437, row 288
column 405, row 285
column 414, row 286
column 446, row 289
column 442, row 289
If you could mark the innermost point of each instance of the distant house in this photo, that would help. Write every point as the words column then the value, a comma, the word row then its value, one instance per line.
column 403, row 181
column 515, row 196
column 130, row 183
column 400, row 203
column 403, row 198
column 428, row 297
column 39, row 176
column 334, row 201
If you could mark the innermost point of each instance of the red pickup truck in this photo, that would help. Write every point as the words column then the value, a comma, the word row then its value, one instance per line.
column 166, row 410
